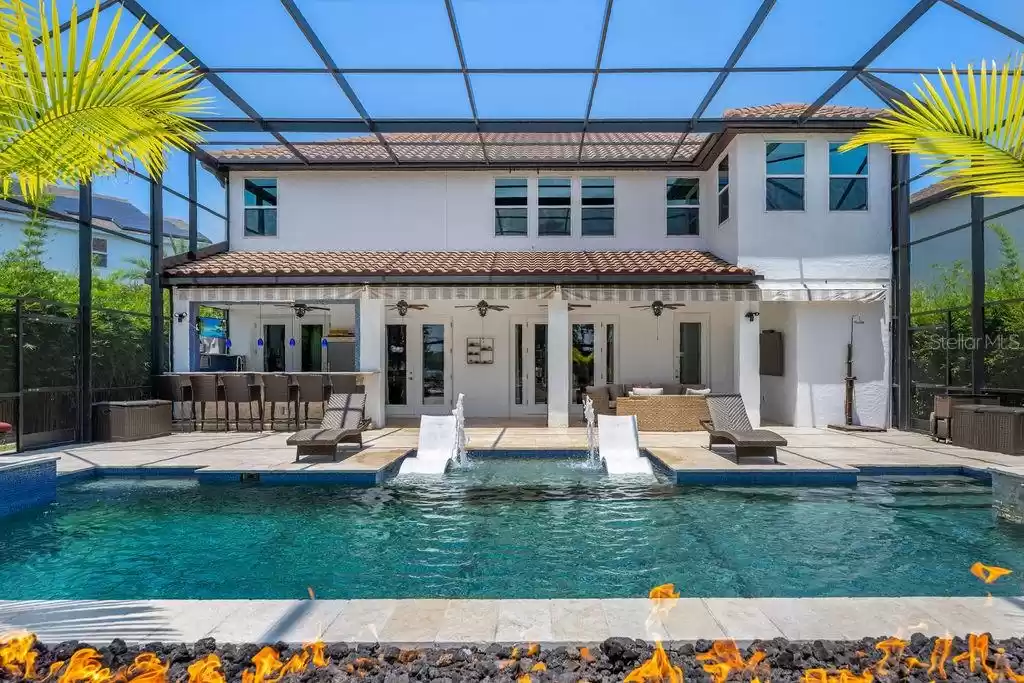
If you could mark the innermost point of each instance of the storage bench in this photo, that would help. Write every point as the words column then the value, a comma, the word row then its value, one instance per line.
column 130, row 420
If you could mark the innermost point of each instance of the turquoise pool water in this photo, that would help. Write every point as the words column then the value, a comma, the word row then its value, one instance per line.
column 510, row 529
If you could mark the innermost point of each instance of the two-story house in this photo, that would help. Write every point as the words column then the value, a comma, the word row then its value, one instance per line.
column 521, row 277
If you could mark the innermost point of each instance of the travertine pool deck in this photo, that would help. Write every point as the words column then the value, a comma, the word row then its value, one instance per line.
column 828, row 455
column 426, row 623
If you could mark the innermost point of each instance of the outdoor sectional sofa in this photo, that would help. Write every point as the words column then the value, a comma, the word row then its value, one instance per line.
column 672, row 411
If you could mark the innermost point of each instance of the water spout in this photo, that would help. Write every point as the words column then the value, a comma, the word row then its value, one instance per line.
column 461, row 455
column 593, row 458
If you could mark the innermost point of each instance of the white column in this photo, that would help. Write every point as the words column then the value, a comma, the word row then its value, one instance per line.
column 371, row 340
column 183, row 333
column 747, row 359
column 558, row 363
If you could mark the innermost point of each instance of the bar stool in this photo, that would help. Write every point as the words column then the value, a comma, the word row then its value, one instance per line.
column 240, row 389
column 311, row 390
column 178, row 390
column 344, row 384
column 279, row 389
column 205, row 389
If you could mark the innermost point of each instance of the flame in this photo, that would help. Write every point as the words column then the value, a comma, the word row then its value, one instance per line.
column 657, row 669
column 977, row 655
column 842, row 676
column 147, row 668
column 206, row 670
column 539, row 666
column 270, row 668
column 585, row 654
column 85, row 666
column 17, row 656
column 724, row 657
column 525, row 678
column 989, row 573
column 665, row 590
column 891, row 648
column 940, row 653
column 533, row 650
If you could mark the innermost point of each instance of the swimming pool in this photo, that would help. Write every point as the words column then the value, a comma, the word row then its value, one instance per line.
column 505, row 529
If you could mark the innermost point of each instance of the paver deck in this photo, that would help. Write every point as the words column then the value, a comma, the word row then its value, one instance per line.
column 425, row 623
column 819, row 452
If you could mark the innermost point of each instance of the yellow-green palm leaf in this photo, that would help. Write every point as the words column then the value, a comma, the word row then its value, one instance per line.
column 972, row 123
column 65, row 118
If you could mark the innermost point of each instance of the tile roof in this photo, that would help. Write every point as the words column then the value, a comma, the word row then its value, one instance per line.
column 926, row 196
column 465, row 148
column 793, row 110
column 455, row 263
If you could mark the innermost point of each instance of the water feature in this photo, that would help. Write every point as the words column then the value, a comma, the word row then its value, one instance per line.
column 619, row 446
column 461, row 442
column 590, row 416
column 437, row 446
column 516, row 528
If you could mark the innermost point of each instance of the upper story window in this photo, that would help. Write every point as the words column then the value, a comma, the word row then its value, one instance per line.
column 683, row 197
column 99, row 252
column 723, row 190
column 597, row 196
column 510, row 217
column 260, row 207
column 554, row 207
column 784, row 176
column 847, row 178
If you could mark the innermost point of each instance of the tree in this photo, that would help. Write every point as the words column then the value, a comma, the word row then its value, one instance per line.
column 68, row 118
column 973, row 136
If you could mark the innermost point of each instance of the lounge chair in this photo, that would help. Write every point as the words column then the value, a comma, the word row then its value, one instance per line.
column 343, row 422
column 729, row 424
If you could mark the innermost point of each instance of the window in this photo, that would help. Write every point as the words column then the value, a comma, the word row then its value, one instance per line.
column 261, row 207
column 683, row 197
column 99, row 252
column 847, row 178
column 723, row 190
column 510, row 206
column 784, row 176
column 554, row 200
column 598, row 201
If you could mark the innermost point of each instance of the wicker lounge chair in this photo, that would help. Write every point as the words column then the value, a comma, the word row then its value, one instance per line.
column 729, row 424
column 343, row 423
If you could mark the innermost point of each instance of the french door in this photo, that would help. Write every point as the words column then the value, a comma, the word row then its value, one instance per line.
column 593, row 348
column 419, row 367
column 529, row 383
column 691, row 351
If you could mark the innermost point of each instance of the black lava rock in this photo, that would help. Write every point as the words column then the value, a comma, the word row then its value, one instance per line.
column 620, row 649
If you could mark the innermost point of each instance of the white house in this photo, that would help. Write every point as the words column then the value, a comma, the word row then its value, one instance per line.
column 519, row 283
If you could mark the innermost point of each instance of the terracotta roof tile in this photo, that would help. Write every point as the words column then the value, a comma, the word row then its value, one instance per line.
column 928, row 195
column 794, row 110
column 440, row 263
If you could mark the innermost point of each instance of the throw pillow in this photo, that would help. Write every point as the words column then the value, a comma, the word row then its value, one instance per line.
column 698, row 392
column 647, row 391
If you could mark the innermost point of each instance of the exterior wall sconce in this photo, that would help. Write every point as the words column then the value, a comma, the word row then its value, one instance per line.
column 180, row 317
column 750, row 315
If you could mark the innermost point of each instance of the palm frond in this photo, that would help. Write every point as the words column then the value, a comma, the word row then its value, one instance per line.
column 70, row 118
column 974, row 136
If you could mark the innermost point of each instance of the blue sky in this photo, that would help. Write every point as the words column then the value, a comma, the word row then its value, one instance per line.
column 551, row 34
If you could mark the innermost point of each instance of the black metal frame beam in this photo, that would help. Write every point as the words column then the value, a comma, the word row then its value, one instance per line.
column 318, row 47
column 883, row 89
column 425, row 71
column 891, row 36
column 991, row 23
column 78, row 19
column 464, row 69
column 85, row 309
column 216, row 81
column 977, row 293
column 901, row 281
column 597, row 75
column 156, row 293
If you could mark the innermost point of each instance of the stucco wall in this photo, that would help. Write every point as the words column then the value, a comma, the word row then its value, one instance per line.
column 778, row 393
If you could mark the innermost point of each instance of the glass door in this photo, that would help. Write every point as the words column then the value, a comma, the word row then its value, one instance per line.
column 690, row 348
column 529, row 366
column 273, row 348
column 594, row 356
column 312, row 359
column 419, row 368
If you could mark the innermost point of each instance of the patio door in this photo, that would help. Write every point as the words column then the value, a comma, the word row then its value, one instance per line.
column 529, row 365
column 690, row 350
column 593, row 352
column 419, row 367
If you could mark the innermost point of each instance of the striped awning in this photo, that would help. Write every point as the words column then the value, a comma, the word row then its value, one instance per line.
column 338, row 293
column 824, row 290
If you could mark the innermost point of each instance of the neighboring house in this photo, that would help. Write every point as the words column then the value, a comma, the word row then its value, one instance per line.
column 120, row 233
column 609, row 265
column 935, row 215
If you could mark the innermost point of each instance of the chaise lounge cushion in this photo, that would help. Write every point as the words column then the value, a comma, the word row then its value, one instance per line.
column 754, row 437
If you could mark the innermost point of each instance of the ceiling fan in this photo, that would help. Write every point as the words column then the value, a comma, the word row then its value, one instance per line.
column 482, row 307
column 302, row 309
column 403, row 307
column 658, row 307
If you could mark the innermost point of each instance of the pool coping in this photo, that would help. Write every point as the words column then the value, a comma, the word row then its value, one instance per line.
column 446, row 623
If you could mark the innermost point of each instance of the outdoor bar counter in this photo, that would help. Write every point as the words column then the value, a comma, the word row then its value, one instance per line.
column 249, row 392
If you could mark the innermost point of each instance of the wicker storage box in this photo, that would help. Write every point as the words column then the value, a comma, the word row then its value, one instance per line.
column 989, row 428
column 130, row 420
column 666, row 413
